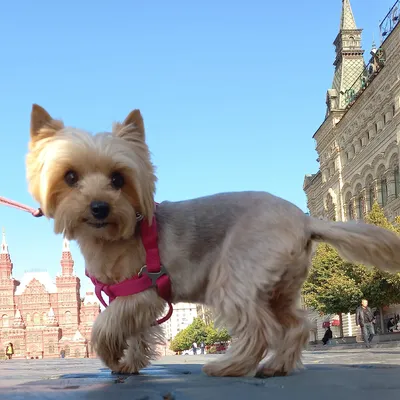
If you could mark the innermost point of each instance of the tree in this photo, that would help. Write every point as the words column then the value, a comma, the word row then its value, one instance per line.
column 198, row 332
column 335, row 286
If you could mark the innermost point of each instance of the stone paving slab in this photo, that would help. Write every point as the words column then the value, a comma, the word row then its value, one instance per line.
column 337, row 374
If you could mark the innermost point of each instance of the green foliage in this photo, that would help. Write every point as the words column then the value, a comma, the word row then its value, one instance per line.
column 335, row 286
column 198, row 332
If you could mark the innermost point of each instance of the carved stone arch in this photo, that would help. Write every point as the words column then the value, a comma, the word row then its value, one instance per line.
column 366, row 169
column 381, row 171
column 356, row 178
column 358, row 189
column 330, row 205
column 376, row 161
column 393, row 161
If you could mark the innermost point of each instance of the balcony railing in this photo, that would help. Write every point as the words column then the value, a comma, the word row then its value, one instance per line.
column 390, row 21
column 372, row 69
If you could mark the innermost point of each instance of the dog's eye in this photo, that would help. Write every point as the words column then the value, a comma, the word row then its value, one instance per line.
column 71, row 178
column 117, row 180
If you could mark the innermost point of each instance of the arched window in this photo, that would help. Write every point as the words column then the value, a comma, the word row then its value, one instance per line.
column 384, row 192
column 396, row 181
column 36, row 319
column 51, row 346
column 68, row 317
column 360, row 208
column 5, row 321
column 350, row 210
column 371, row 197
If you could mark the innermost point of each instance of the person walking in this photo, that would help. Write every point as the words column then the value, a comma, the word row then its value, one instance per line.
column 202, row 347
column 365, row 319
column 9, row 350
column 194, row 347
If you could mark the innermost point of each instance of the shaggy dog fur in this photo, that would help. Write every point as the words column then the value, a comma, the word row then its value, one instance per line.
column 246, row 255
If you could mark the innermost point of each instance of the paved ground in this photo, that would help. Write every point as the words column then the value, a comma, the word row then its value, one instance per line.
column 335, row 374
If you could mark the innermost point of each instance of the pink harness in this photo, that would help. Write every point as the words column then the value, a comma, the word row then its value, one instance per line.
column 153, row 274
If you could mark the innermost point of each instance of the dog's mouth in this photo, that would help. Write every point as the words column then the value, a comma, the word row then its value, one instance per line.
column 96, row 224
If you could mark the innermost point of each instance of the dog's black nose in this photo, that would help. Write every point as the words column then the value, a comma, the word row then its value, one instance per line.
column 100, row 209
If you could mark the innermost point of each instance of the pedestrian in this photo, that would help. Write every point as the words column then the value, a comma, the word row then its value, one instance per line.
column 391, row 325
column 202, row 347
column 62, row 353
column 9, row 350
column 328, row 336
column 365, row 319
column 194, row 347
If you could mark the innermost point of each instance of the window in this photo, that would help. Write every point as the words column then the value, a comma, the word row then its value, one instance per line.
column 360, row 210
column 44, row 318
column 36, row 319
column 51, row 346
column 396, row 182
column 28, row 318
column 5, row 322
column 384, row 192
column 371, row 197
column 350, row 211
column 68, row 317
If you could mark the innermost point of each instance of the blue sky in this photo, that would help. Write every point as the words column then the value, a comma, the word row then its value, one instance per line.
column 231, row 93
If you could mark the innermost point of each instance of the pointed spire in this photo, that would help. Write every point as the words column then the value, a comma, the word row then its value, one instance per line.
column 66, row 245
column 51, row 318
column 347, row 21
column 67, row 263
column 6, row 265
column 4, row 245
column 18, row 321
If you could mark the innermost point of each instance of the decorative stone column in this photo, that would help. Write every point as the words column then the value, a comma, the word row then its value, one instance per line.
column 371, row 130
column 378, row 190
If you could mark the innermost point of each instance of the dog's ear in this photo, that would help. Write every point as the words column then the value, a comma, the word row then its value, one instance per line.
column 42, row 124
column 132, row 128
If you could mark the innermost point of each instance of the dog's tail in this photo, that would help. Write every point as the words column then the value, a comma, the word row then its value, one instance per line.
column 360, row 243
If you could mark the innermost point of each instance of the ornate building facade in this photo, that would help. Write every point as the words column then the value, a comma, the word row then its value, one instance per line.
column 358, row 141
column 41, row 317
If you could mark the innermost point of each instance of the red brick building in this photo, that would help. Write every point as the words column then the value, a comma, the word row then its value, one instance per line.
column 42, row 317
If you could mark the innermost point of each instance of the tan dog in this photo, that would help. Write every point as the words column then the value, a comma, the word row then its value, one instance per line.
column 246, row 255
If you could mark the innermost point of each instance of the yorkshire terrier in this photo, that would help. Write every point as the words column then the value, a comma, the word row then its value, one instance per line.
column 245, row 255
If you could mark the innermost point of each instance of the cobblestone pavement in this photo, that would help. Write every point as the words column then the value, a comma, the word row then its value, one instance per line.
column 336, row 374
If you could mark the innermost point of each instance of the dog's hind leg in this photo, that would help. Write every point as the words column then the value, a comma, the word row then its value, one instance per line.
column 287, row 356
column 252, row 323
column 255, row 326
column 284, row 302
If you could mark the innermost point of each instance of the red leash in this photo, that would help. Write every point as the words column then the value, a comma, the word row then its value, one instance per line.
column 10, row 203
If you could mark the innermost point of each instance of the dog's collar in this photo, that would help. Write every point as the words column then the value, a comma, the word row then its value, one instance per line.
column 152, row 274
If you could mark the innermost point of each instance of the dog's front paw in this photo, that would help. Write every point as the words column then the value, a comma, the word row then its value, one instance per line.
column 108, row 341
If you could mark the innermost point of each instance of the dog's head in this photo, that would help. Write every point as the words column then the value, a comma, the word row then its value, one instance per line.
column 92, row 185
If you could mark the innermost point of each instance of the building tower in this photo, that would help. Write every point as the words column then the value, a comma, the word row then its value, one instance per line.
column 349, row 62
column 7, row 286
column 68, row 288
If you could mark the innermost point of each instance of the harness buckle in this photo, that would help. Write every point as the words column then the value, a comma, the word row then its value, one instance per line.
column 153, row 275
